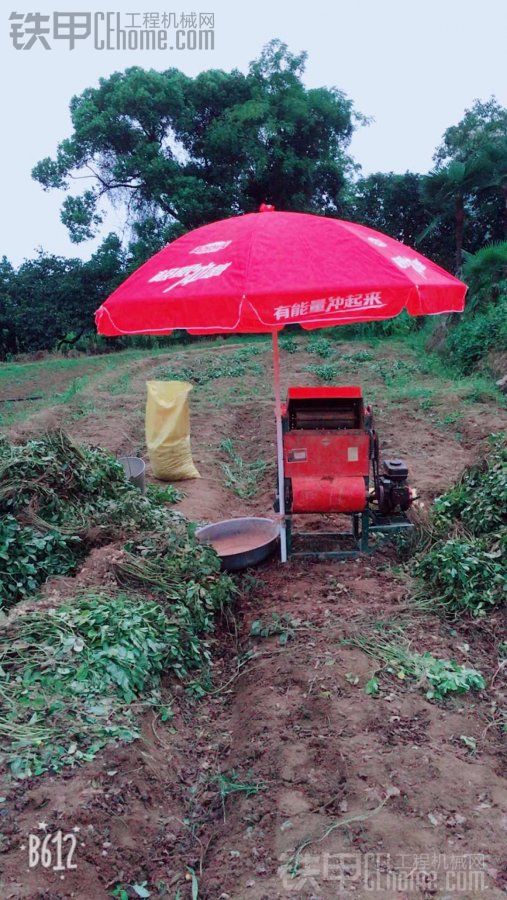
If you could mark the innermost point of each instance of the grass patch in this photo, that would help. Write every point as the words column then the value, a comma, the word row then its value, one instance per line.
column 234, row 364
column 230, row 784
column 19, row 373
column 320, row 346
column 478, row 389
column 289, row 343
column 242, row 478
column 73, row 389
column 121, row 385
column 450, row 419
column 326, row 372
column 394, row 374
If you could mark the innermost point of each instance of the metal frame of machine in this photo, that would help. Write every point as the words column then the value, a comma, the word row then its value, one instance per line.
column 330, row 459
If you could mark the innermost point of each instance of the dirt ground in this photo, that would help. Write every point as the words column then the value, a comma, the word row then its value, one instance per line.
column 358, row 795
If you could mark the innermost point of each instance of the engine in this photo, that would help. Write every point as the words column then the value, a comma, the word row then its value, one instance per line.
column 392, row 492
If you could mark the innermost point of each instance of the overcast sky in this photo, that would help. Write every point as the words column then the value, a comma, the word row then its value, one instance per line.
column 413, row 66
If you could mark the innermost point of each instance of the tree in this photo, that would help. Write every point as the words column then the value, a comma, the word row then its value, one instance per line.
column 178, row 152
column 51, row 299
column 483, row 125
column 45, row 298
column 7, row 329
column 469, row 181
column 391, row 203
column 102, row 273
column 486, row 275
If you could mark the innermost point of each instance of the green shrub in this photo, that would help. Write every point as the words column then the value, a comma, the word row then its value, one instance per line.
column 326, row 372
column 485, row 272
column 479, row 499
column 320, row 346
column 476, row 334
column 288, row 343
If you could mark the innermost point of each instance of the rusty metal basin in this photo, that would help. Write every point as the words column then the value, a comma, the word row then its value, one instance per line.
column 241, row 542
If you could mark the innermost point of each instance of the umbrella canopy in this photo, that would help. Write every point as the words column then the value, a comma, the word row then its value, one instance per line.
column 261, row 271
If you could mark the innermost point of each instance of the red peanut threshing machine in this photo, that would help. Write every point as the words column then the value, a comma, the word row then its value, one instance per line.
column 331, row 466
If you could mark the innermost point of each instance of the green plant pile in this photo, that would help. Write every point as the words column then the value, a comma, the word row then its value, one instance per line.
column 58, row 499
column 438, row 677
column 184, row 575
column 465, row 568
column 219, row 365
column 76, row 677
column 29, row 556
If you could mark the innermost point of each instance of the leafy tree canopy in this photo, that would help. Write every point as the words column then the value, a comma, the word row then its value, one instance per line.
column 483, row 125
column 469, row 181
column 50, row 297
column 391, row 203
column 179, row 152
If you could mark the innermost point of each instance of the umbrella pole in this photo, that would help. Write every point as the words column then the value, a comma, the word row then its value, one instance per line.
column 279, row 448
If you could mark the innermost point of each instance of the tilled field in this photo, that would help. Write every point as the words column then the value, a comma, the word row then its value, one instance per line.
column 287, row 777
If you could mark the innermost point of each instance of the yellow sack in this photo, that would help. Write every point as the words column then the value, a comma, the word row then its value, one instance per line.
column 168, row 430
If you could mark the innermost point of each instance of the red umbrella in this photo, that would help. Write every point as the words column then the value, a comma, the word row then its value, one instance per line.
column 261, row 271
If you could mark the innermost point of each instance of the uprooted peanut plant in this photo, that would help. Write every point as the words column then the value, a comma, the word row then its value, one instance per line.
column 464, row 568
column 77, row 675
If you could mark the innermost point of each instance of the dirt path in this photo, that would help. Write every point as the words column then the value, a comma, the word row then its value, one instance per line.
column 410, row 809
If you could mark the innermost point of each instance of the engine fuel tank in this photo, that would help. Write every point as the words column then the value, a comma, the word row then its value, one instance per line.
column 328, row 494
